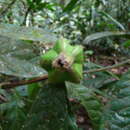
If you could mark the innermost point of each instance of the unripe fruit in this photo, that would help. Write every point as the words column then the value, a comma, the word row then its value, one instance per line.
column 63, row 62
column 47, row 59
column 78, row 54
column 77, row 72
column 62, row 45
column 72, row 75
column 56, row 76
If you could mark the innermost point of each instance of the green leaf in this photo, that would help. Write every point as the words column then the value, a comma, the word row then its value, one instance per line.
column 27, row 33
column 99, row 78
column 99, row 35
column 13, row 112
column 126, row 44
column 89, row 100
column 113, row 20
column 69, row 7
column 17, row 58
column 117, row 110
column 89, row 52
column 20, row 68
column 30, row 3
column 16, row 48
column 50, row 110
column 33, row 90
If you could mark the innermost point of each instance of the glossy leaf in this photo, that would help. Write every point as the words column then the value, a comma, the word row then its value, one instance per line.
column 97, row 79
column 70, row 6
column 113, row 20
column 18, row 58
column 27, row 33
column 20, row 68
column 16, row 48
column 117, row 111
column 99, row 35
column 126, row 44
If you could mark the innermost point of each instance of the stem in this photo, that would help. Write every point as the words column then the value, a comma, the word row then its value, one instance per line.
column 7, row 8
column 108, row 67
column 44, row 77
column 3, row 99
column 25, row 17
column 13, row 85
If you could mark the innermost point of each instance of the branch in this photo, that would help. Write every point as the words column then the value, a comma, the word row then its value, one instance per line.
column 26, row 15
column 108, row 67
column 44, row 77
column 7, row 8
column 3, row 99
column 13, row 85
column 29, row 9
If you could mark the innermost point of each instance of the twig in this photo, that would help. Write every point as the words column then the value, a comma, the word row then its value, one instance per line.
column 13, row 85
column 29, row 10
column 3, row 99
column 108, row 67
column 26, row 15
column 44, row 77
column 7, row 8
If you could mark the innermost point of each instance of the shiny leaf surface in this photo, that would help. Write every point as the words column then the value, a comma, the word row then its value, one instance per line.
column 20, row 68
column 117, row 111
column 26, row 33
column 98, row 35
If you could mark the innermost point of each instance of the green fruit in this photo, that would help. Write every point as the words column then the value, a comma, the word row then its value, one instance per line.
column 76, row 72
column 62, row 45
column 77, row 53
column 57, row 76
column 72, row 75
column 63, row 62
column 47, row 59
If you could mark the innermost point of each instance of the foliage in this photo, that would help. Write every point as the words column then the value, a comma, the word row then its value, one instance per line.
column 89, row 100
column 48, row 112
column 115, row 113
column 27, row 28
